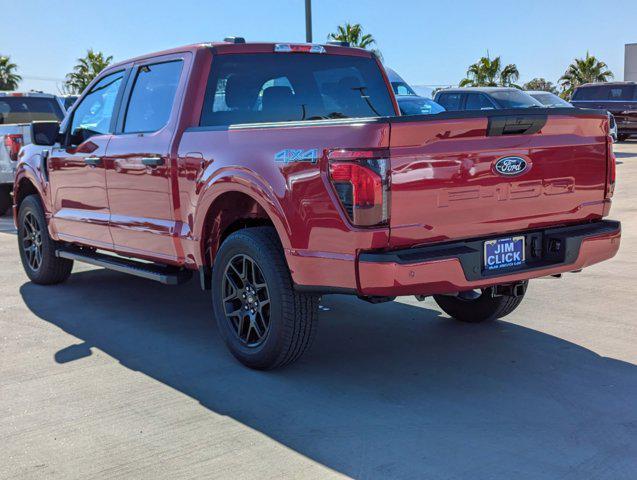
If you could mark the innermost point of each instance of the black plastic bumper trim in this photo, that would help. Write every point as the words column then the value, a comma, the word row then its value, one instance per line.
column 544, row 248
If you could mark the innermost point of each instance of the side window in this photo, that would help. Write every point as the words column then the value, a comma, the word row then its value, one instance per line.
column 451, row 101
column 152, row 97
column 93, row 115
column 478, row 101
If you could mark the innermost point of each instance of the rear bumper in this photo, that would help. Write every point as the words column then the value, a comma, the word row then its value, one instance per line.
column 457, row 266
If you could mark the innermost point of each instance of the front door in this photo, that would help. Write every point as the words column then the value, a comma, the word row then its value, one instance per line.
column 139, row 168
column 76, row 169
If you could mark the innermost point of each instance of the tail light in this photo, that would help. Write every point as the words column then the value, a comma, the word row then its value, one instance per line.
column 611, row 166
column 361, row 182
column 13, row 143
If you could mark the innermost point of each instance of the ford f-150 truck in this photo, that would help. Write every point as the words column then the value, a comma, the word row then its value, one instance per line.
column 284, row 172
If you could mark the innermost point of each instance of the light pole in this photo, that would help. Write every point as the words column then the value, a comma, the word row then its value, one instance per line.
column 308, row 21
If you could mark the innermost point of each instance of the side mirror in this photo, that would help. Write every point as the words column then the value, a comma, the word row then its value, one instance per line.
column 45, row 133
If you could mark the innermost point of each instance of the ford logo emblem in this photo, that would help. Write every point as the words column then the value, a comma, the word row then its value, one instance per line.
column 510, row 166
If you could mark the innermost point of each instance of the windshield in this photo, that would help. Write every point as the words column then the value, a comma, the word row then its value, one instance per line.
column 549, row 99
column 412, row 105
column 514, row 99
column 28, row 109
column 279, row 87
column 606, row 92
column 401, row 88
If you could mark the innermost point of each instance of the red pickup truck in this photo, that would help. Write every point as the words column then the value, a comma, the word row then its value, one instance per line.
column 283, row 172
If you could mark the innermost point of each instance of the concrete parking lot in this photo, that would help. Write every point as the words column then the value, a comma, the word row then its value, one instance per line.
column 109, row 376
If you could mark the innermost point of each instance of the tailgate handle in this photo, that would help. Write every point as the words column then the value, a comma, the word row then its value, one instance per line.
column 515, row 124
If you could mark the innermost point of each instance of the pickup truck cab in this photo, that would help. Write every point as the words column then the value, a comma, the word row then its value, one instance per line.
column 283, row 172
column 17, row 111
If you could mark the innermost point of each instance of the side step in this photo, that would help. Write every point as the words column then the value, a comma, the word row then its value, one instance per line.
column 165, row 274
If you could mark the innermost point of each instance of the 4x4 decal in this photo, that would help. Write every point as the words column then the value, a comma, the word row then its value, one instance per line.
column 293, row 155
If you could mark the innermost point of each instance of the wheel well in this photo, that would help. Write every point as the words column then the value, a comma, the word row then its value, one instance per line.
column 25, row 188
column 230, row 212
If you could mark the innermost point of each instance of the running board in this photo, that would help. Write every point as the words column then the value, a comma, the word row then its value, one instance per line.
column 152, row 271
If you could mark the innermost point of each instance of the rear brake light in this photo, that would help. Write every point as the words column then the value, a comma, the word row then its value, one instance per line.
column 298, row 48
column 360, row 180
column 13, row 142
column 611, row 164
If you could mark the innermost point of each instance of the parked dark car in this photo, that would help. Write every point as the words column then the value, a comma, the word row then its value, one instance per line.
column 619, row 98
column 551, row 100
column 485, row 98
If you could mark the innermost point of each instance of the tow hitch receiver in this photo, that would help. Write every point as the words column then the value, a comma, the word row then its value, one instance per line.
column 510, row 290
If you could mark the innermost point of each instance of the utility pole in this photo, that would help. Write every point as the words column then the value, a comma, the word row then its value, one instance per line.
column 308, row 21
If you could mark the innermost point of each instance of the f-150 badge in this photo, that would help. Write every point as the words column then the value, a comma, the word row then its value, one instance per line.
column 293, row 155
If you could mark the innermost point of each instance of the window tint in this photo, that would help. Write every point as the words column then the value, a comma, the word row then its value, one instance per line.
column 606, row 92
column 414, row 105
column 550, row 100
column 152, row 97
column 28, row 109
column 450, row 101
column 478, row 101
column 95, row 111
column 274, row 87
column 401, row 88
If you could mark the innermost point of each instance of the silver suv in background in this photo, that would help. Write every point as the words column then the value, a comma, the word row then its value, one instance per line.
column 17, row 111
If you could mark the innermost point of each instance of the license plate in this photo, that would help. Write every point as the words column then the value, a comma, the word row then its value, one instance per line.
column 503, row 253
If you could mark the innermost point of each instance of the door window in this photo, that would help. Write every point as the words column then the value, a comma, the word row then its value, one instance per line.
column 94, row 113
column 451, row 101
column 152, row 97
column 477, row 101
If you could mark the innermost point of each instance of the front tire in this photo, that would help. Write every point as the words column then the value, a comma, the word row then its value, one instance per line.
column 477, row 308
column 37, row 249
column 264, row 322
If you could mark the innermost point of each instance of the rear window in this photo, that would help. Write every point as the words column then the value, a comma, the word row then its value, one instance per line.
column 279, row 87
column 450, row 101
column 514, row 99
column 28, row 109
column 606, row 92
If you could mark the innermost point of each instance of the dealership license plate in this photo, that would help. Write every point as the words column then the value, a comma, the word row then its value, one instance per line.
column 503, row 253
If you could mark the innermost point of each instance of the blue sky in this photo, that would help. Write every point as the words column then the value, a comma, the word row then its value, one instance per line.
column 428, row 43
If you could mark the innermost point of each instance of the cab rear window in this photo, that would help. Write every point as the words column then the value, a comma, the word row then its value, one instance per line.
column 28, row 109
column 606, row 92
column 280, row 87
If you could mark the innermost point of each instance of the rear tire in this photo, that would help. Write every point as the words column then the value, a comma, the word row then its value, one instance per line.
column 279, row 323
column 37, row 249
column 5, row 199
column 484, row 308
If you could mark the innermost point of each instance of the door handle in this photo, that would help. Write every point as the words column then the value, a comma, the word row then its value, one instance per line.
column 92, row 160
column 153, row 161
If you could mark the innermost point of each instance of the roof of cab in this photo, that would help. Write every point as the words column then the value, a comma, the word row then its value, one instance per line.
column 248, row 47
column 479, row 89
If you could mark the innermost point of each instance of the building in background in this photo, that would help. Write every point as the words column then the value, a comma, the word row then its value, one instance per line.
column 630, row 63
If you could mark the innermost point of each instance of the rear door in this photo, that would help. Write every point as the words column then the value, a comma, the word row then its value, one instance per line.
column 76, row 170
column 139, row 166
column 446, row 183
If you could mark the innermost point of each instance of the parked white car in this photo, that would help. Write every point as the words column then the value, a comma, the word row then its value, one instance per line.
column 17, row 111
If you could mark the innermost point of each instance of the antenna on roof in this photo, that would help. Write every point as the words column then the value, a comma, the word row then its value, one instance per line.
column 234, row 40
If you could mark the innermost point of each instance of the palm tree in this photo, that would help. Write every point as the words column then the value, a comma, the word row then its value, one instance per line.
column 9, row 80
column 489, row 73
column 540, row 84
column 584, row 70
column 353, row 34
column 86, row 70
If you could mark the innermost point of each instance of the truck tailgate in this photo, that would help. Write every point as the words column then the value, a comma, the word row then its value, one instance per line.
column 444, row 184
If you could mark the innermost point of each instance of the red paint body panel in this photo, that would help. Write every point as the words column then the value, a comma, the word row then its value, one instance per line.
column 442, row 187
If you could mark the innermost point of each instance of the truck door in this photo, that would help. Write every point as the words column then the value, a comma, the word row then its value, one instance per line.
column 76, row 169
column 139, row 166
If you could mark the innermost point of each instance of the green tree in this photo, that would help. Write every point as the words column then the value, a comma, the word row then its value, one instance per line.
column 9, row 79
column 584, row 70
column 490, row 73
column 354, row 35
column 540, row 84
column 85, row 71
